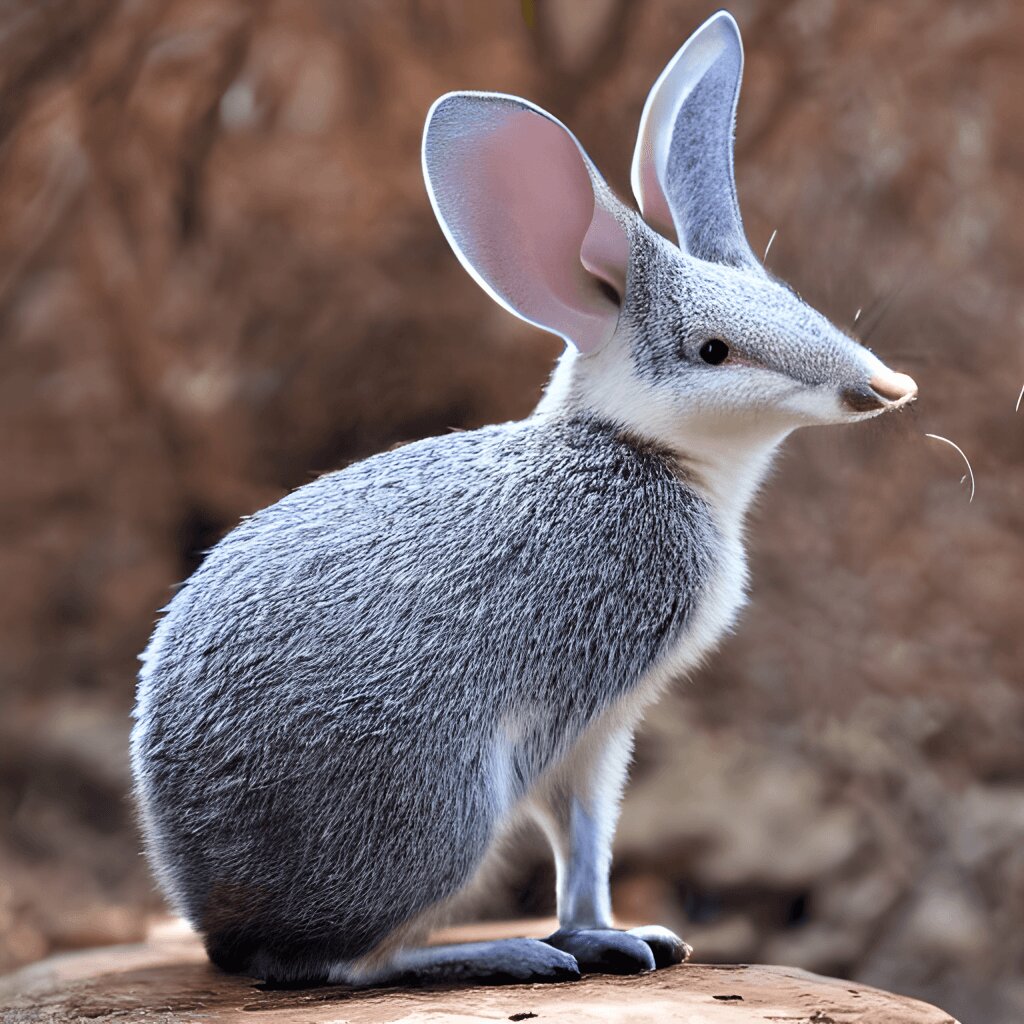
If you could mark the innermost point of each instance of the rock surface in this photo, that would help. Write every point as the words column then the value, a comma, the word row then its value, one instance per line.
column 168, row 978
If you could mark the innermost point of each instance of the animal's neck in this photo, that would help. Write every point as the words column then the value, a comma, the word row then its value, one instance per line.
column 728, row 468
column 726, row 459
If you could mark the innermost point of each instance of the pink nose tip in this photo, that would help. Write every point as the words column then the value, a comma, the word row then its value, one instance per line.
column 895, row 387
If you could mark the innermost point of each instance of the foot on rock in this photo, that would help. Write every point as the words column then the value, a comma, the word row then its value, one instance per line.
column 605, row 950
column 502, row 961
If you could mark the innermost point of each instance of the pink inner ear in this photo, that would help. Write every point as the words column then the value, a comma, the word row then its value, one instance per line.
column 605, row 249
column 519, row 204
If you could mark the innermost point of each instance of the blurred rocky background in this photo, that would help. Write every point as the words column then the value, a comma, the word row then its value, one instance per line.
column 220, row 276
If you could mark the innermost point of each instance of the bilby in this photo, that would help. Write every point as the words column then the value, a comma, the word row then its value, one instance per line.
column 366, row 685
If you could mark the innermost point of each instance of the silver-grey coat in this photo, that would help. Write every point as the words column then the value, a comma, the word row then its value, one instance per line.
column 342, row 704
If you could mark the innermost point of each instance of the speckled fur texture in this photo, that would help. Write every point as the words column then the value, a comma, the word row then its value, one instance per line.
column 359, row 683
column 366, row 684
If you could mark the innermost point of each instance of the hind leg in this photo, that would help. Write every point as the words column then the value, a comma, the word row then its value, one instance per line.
column 407, row 961
column 578, row 810
column 503, row 961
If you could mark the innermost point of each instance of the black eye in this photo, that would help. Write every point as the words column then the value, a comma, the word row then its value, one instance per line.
column 714, row 351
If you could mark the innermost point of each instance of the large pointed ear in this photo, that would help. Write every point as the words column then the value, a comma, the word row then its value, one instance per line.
column 683, row 164
column 527, row 214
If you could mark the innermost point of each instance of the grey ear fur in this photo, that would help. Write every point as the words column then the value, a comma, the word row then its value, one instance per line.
column 682, row 173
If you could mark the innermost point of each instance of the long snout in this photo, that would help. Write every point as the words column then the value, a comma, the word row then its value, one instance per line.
column 885, row 390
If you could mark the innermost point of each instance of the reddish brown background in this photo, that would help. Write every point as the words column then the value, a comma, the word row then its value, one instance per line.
column 219, row 275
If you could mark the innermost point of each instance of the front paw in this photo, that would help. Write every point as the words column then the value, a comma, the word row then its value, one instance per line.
column 610, row 951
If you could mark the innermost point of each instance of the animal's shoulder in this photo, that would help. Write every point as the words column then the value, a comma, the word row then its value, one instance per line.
column 499, row 516
column 575, row 472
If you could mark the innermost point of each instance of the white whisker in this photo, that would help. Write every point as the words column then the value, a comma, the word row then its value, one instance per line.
column 856, row 316
column 946, row 440
column 767, row 248
column 1019, row 397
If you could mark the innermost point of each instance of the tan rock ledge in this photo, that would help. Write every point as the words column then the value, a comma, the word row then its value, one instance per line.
column 169, row 979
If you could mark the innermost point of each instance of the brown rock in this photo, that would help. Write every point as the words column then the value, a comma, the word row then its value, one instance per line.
column 168, row 978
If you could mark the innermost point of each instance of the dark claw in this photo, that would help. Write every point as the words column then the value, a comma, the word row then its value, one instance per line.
column 666, row 946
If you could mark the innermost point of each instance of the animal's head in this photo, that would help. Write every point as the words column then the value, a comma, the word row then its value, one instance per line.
column 667, row 337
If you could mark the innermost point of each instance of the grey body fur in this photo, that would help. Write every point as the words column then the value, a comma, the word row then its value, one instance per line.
column 364, row 685
column 320, row 760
